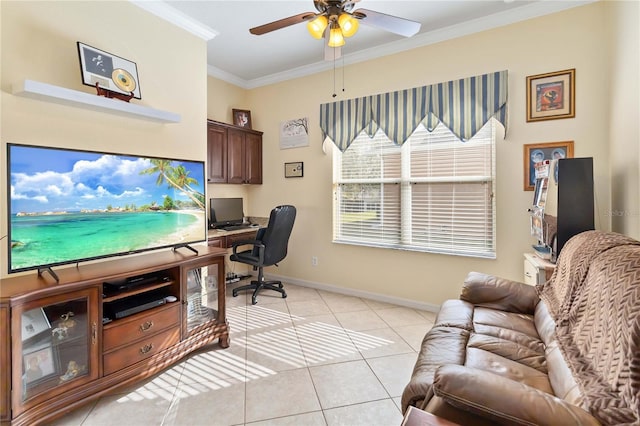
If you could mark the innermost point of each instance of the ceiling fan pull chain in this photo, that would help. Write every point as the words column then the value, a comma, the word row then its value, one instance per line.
column 342, row 73
column 334, row 72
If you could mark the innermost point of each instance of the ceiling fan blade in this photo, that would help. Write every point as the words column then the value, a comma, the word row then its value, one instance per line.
column 393, row 24
column 282, row 23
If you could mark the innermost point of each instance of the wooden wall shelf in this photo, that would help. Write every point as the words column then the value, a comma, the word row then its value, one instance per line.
column 50, row 93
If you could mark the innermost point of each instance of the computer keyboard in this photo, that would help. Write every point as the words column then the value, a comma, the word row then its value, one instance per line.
column 235, row 227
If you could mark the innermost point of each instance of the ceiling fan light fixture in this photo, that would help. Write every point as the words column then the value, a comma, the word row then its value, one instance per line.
column 317, row 26
column 336, row 38
column 348, row 24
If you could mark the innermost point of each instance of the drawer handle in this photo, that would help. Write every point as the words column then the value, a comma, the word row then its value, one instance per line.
column 146, row 326
column 146, row 349
column 94, row 333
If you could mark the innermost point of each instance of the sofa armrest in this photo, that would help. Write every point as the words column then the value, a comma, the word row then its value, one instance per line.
column 499, row 293
column 503, row 400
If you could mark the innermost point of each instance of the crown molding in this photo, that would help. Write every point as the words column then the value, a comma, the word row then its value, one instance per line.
column 227, row 76
column 496, row 20
column 177, row 18
column 500, row 19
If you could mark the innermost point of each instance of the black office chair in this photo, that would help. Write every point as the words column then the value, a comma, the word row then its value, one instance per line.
column 269, row 248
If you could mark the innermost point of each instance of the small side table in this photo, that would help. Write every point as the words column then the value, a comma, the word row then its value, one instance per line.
column 416, row 417
column 536, row 269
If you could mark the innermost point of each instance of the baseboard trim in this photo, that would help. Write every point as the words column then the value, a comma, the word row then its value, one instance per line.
column 356, row 293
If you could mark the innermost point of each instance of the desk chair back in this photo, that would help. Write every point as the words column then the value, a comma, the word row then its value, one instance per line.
column 276, row 235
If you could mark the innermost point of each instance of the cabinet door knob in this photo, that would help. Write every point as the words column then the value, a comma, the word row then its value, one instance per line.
column 146, row 349
column 146, row 326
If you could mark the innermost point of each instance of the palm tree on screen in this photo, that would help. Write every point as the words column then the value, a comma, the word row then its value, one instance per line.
column 176, row 177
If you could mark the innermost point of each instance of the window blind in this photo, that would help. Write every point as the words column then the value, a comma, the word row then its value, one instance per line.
column 433, row 193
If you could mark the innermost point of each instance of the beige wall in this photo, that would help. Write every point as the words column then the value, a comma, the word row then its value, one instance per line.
column 39, row 43
column 624, row 130
column 572, row 39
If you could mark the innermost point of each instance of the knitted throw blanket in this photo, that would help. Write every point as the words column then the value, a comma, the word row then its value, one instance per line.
column 594, row 298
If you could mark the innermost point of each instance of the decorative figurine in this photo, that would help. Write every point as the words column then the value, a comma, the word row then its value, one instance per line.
column 73, row 369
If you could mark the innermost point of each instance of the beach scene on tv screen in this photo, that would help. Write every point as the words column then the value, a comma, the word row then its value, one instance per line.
column 71, row 205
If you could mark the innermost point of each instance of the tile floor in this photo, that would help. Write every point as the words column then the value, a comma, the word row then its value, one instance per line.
column 314, row 358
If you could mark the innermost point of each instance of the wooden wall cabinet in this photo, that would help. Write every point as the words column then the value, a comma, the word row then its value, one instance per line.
column 216, row 154
column 64, row 344
column 234, row 154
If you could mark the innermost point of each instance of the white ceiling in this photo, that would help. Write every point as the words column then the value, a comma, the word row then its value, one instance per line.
column 246, row 60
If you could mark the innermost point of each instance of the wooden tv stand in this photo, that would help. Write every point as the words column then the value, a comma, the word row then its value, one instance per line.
column 64, row 344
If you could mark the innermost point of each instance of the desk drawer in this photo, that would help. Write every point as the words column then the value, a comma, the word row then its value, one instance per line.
column 245, row 236
column 140, row 350
column 127, row 330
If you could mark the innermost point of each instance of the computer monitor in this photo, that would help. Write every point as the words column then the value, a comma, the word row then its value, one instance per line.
column 226, row 212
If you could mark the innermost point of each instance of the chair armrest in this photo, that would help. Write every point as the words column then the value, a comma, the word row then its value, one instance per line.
column 237, row 244
column 503, row 400
column 499, row 293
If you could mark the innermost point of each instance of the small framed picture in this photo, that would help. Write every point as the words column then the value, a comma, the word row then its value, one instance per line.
column 242, row 118
column 551, row 96
column 108, row 71
column 293, row 169
column 34, row 322
column 39, row 365
column 536, row 152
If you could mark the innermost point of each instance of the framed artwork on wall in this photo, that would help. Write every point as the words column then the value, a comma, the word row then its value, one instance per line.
column 536, row 152
column 242, row 118
column 108, row 71
column 551, row 96
column 294, row 169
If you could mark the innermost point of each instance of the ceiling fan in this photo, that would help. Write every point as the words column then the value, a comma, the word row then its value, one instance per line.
column 336, row 20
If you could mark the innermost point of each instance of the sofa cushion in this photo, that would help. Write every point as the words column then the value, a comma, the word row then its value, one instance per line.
column 455, row 313
column 510, row 350
column 503, row 401
column 441, row 345
column 560, row 377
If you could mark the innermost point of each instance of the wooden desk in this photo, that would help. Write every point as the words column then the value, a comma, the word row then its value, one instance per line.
column 416, row 417
column 226, row 239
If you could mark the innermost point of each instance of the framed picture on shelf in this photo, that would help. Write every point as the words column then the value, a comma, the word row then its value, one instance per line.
column 536, row 152
column 34, row 322
column 551, row 96
column 39, row 364
column 242, row 118
column 108, row 71
column 294, row 169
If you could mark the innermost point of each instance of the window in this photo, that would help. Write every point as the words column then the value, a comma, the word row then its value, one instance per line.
column 434, row 193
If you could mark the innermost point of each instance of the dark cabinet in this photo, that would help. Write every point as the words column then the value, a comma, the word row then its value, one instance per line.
column 234, row 154
column 216, row 154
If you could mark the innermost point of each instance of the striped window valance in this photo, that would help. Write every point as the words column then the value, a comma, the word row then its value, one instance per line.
column 464, row 106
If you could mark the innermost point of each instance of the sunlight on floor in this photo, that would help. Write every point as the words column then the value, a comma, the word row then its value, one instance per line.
column 298, row 346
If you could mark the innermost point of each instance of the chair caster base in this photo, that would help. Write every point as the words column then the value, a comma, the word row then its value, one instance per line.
column 258, row 286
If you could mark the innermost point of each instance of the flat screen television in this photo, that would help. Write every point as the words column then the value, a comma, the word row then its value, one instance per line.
column 226, row 212
column 68, row 206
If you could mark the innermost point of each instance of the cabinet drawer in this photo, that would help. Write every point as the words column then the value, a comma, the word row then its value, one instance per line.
column 216, row 242
column 140, row 350
column 531, row 273
column 127, row 330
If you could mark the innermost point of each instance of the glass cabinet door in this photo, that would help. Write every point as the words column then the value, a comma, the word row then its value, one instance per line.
column 204, row 289
column 56, row 340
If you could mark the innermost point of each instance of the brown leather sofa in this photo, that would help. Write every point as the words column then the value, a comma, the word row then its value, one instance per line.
column 564, row 353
